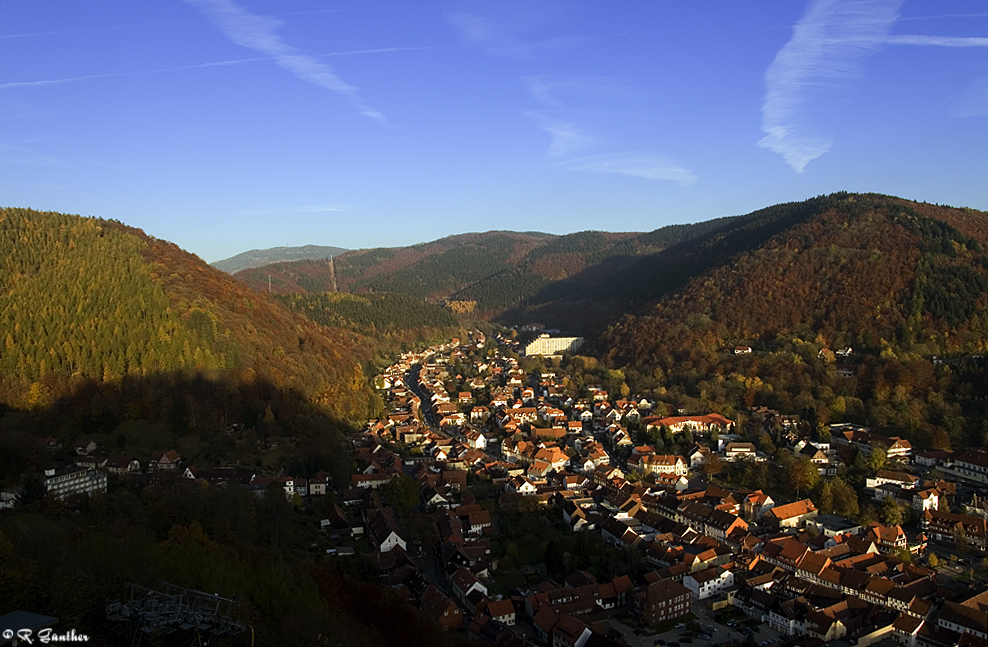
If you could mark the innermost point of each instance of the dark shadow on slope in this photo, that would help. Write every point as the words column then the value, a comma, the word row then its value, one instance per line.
column 68, row 559
column 209, row 420
column 630, row 284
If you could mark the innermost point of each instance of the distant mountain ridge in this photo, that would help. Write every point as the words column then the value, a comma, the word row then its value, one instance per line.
column 260, row 257
column 896, row 268
column 431, row 270
column 495, row 271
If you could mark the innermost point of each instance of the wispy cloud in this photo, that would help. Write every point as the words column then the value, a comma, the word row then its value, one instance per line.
column 259, row 34
column 542, row 90
column 938, row 41
column 566, row 138
column 974, row 103
column 569, row 141
column 380, row 50
column 63, row 32
column 297, row 210
column 197, row 66
column 946, row 15
column 507, row 27
column 825, row 53
column 21, row 155
column 110, row 75
column 635, row 164
column 547, row 91
column 113, row 166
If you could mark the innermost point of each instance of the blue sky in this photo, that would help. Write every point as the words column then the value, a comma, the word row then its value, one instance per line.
column 226, row 125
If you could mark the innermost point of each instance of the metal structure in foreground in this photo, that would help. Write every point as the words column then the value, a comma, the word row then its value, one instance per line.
column 175, row 608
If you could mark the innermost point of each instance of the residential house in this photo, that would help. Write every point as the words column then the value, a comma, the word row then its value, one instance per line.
column 259, row 484
column 121, row 465
column 739, row 451
column 815, row 454
column 905, row 630
column 319, row 483
column 830, row 525
column 464, row 583
column 336, row 522
column 847, row 435
column 502, row 610
column 901, row 479
column 383, row 531
column 964, row 619
column 925, row 499
column 662, row 464
column 84, row 447
column 570, row 632
column 479, row 414
column 889, row 539
column 521, row 485
column 697, row 424
column 166, row 461
column 788, row 617
column 967, row 530
column 790, row 515
column 441, row 609
column 697, row 455
column 370, row 481
column 755, row 505
column 971, row 466
column 708, row 582
column 660, row 602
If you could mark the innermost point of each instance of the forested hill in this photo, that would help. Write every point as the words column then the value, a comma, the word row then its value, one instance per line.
column 86, row 301
column 854, row 267
column 259, row 257
column 489, row 272
column 427, row 271
column 380, row 313
column 858, row 308
column 868, row 271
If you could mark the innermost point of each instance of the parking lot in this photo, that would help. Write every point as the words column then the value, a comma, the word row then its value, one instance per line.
column 725, row 635
column 715, row 632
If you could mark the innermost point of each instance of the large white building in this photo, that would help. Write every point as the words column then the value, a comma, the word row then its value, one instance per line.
column 546, row 345
column 67, row 481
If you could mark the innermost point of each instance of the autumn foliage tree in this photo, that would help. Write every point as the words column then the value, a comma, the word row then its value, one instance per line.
column 802, row 475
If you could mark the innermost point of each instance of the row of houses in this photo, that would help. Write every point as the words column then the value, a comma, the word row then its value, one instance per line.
column 968, row 466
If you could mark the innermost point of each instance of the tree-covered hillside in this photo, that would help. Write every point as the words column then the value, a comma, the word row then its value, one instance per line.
column 427, row 271
column 380, row 312
column 494, row 271
column 891, row 284
column 83, row 299
column 861, row 270
column 259, row 257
